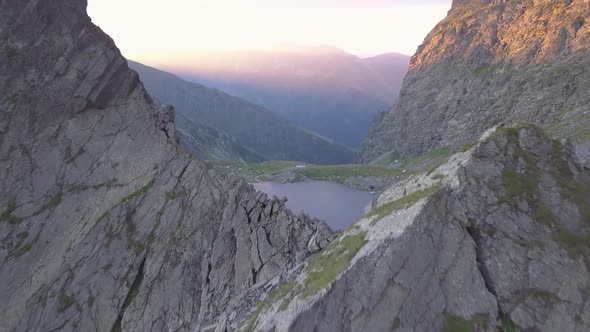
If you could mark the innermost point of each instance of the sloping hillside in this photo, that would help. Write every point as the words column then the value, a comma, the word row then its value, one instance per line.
column 259, row 130
column 210, row 144
column 322, row 89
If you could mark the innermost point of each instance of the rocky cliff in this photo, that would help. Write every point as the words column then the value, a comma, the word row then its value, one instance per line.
column 490, row 62
column 106, row 224
column 496, row 239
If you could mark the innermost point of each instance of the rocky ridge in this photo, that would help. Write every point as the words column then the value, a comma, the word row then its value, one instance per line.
column 106, row 223
column 493, row 62
column 498, row 238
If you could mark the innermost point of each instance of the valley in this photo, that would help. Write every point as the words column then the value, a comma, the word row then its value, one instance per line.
column 321, row 89
column 368, row 177
column 258, row 133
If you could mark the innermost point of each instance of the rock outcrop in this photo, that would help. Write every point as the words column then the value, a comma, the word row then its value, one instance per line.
column 105, row 222
column 492, row 62
column 498, row 237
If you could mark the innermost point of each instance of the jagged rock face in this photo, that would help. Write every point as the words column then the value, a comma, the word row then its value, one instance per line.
column 490, row 62
column 105, row 222
column 498, row 236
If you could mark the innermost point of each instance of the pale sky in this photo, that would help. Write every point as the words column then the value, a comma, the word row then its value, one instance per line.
column 157, row 31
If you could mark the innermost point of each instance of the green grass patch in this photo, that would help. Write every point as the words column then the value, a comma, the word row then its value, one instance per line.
column 541, row 295
column 71, row 159
column 574, row 244
column 573, row 126
column 174, row 195
column 340, row 173
column 331, row 262
column 103, row 216
column 438, row 177
column 273, row 297
column 334, row 173
column 545, row 216
column 402, row 203
column 488, row 69
column 491, row 231
column 7, row 214
column 55, row 200
column 482, row 70
column 508, row 325
column 469, row 146
column 431, row 157
column 570, row 187
column 387, row 159
column 453, row 323
column 64, row 301
column 142, row 191
column 267, row 167
column 396, row 324
column 91, row 299
column 53, row 203
column 132, row 294
column 517, row 184
column 457, row 324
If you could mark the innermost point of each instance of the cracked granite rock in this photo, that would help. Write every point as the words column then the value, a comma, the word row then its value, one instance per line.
column 499, row 236
column 493, row 62
column 106, row 224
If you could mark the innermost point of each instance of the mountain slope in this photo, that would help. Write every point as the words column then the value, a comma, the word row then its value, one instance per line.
column 488, row 63
column 210, row 144
column 321, row 89
column 106, row 223
column 496, row 239
column 259, row 130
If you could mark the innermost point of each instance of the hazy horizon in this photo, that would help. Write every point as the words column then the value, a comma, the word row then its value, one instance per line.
column 159, row 33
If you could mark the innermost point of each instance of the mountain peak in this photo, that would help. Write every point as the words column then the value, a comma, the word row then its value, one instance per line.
column 488, row 63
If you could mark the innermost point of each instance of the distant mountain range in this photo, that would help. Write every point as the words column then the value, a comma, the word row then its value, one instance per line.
column 215, row 125
column 322, row 89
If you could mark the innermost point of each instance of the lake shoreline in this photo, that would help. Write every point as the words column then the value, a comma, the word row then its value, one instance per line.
column 338, row 205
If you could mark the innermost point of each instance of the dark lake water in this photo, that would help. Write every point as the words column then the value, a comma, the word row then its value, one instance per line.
column 340, row 206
